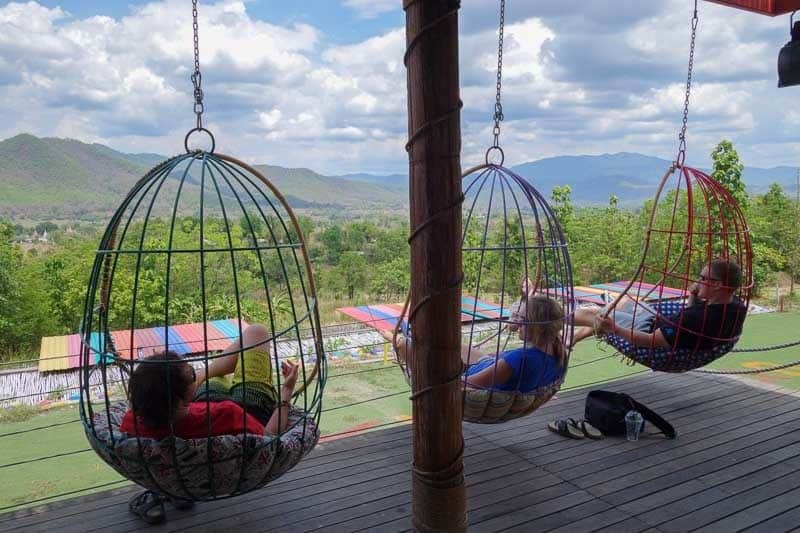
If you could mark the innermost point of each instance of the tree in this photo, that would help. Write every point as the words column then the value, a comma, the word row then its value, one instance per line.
column 728, row 171
column 10, row 289
column 562, row 205
column 772, row 225
column 351, row 273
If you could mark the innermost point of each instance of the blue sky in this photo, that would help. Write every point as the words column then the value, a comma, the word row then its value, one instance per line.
column 320, row 83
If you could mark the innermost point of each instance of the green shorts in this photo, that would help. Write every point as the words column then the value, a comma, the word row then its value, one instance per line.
column 251, row 383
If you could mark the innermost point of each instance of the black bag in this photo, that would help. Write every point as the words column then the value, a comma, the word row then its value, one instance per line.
column 606, row 411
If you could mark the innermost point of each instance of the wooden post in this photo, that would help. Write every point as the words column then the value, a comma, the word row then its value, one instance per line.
column 439, row 500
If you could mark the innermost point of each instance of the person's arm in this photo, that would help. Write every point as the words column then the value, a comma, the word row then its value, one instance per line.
column 635, row 337
column 280, row 416
column 487, row 378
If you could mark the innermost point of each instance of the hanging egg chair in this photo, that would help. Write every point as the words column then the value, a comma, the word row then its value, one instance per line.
column 201, row 248
column 694, row 224
column 517, row 278
column 202, row 266
column 517, row 296
column 697, row 240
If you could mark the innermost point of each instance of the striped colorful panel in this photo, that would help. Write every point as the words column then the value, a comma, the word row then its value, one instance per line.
column 667, row 292
column 98, row 347
column 74, row 350
column 219, row 340
column 148, row 342
column 122, row 342
column 587, row 294
column 193, row 336
column 481, row 310
column 53, row 354
column 229, row 328
column 372, row 316
column 652, row 293
column 175, row 341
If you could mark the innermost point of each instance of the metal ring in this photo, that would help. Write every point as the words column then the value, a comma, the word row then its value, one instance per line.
column 186, row 140
column 681, row 158
column 502, row 156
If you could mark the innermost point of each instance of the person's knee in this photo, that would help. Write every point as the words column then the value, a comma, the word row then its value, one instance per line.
column 255, row 336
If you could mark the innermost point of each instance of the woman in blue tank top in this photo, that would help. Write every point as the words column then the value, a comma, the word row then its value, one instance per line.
column 540, row 361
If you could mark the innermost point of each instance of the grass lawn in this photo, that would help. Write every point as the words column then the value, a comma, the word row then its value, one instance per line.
column 348, row 383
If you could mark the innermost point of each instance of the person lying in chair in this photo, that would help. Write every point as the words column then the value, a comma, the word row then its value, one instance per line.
column 712, row 315
column 236, row 396
column 540, row 361
column 168, row 398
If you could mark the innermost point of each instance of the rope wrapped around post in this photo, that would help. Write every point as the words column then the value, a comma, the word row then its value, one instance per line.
column 439, row 501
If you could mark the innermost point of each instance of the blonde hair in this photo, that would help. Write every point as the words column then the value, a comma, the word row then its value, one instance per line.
column 545, row 318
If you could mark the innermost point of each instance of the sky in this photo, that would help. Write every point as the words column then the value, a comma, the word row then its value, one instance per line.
column 321, row 83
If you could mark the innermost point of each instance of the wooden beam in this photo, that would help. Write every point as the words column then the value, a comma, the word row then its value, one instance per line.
column 439, row 502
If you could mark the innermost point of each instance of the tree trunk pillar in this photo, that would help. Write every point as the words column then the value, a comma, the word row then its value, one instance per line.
column 439, row 500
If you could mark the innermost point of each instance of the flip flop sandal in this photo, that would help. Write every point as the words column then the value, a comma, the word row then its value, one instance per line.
column 149, row 506
column 565, row 429
column 589, row 430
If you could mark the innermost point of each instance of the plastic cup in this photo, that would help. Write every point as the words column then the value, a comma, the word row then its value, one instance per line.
column 634, row 421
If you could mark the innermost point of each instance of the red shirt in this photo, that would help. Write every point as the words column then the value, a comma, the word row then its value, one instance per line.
column 227, row 418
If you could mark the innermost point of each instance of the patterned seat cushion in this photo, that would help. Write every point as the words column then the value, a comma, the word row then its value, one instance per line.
column 675, row 360
column 200, row 469
column 487, row 406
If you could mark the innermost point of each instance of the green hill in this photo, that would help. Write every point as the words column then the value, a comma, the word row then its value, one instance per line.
column 61, row 178
column 65, row 179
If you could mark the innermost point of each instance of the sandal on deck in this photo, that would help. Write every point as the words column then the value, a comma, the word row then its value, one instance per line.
column 565, row 429
column 588, row 430
column 149, row 506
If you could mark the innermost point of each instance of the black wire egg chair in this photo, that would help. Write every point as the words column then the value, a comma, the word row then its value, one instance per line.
column 510, row 237
column 202, row 241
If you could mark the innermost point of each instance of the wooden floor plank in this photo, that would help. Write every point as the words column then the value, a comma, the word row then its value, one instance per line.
column 785, row 521
column 654, row 461
column 720, row 510
column 734, row 465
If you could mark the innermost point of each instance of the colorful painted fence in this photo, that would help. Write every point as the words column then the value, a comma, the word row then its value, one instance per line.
column 646, row 291
column 63, row 352
column 384, row 316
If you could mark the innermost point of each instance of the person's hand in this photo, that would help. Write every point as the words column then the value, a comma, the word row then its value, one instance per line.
column 694, row 289
column 605, row 324
column 289, row 370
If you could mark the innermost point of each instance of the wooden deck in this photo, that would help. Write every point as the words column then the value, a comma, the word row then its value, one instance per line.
column 734, row 466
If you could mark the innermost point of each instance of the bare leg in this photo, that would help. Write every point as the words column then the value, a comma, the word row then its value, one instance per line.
column 582, row 332
column 402, row 346
column 586, row 316
column 253, row 336
column 403, row 349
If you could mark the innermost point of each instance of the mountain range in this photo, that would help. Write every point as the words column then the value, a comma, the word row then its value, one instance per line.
column 63, row 179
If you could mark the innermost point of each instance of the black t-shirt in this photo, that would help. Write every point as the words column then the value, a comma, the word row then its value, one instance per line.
column 699, row 326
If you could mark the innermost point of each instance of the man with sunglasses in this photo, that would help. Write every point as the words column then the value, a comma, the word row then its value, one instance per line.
column 712, row 315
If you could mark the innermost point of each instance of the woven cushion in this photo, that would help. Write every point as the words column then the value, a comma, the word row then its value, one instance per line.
column 200, row 469
column 487, row 406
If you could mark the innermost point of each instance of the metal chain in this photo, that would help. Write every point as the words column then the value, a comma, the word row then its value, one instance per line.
column 682, row 136
column 197, row 77
column 498, row 106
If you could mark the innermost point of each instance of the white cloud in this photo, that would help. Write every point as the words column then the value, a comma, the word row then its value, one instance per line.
column 368, row 9
column 577, row 78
